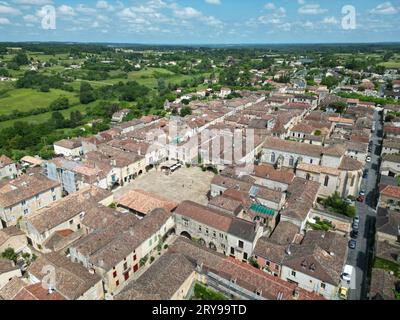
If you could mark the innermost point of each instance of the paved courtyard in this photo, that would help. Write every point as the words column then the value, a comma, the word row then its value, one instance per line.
column 184, row 184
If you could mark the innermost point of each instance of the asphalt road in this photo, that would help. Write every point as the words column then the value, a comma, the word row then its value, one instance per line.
column 361, row 257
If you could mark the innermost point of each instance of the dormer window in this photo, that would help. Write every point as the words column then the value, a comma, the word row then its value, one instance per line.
column 304, row 264
column 312, row 267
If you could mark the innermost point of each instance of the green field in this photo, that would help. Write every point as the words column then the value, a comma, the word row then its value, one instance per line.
column 28, row 99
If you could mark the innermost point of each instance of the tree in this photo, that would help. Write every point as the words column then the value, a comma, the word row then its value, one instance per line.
column 10, row 254
column 57, row 120
column 86, row 93
column 185, row 111
column 21, row 59
column 59, row 104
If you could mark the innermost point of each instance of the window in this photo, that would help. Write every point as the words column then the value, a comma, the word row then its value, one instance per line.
column 308, row 176
column 71, row 221
column 23, row 202
column 326, row 181
column 52, row 189
column 117, row 283
column 26, row 211
column 245, row 256
column 267, row 263
column 323, row 285
column 114, row 274
column 78, row 226
column 232, row 251
column 54, row 198
column 200, row 228
column 291, row 161
column 273, row 157
column 185, row 221
column 214, row 234
column 221, row 235
column 293, row 273
column 311, row 161
column 240, row 244
column 125, row 265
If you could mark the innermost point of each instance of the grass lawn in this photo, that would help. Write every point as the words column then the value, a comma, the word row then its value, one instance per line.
column 27, row 99
column 45, row 116
column 203, row 293
column 387, row 265
column 391, row 64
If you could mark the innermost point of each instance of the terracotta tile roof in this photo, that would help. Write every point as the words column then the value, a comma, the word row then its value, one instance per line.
column 341, row 120
column 391, row 143
column 6, row 265
column 65, row 209
column 226, row 204
column 350, row 164
column 391, row 191
column 382, row 285
column 337, row 150
column 293, row 147
column 392, row 157
column 25, row 187
column 161, row 281
column 284, row 233
column 321, row 255
column 318, row 169
column 145, row 202
column 269, row 172
column 204, row 215
column 72, row 279
column 5, row 161
column 7, row 233
column 37, row 292
column 108, row 246
column 246, row 276
column 302, row 194
column 269, row 250
column 69, row 144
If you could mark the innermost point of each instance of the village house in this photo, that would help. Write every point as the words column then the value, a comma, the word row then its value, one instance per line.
column 118, row 251
column 316, row 263
column 8, row 270
column 219, row 231
column 391, row 146
column 64, row 216
column 235, row 279
column 120, row 115
column 24, row 196
column 14, row 238
column 270, row 251
column 390, row 198
column 390, row 165
column 302, row 196
column 8, row 168
column 69, row 148
column 71, row 280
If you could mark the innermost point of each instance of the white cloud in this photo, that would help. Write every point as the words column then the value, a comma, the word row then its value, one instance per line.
column 33, row 2
column 308, row 24
column 104, row 5
column 217, row 2
column 312, row 9
column 30, row 18
column 329, row 20
column 269, row 6
column 85, row 10
column 5, row 9
column 384, row 8
column 187, row 13
column 4, row 21
column 66, row 11
column 301, row 2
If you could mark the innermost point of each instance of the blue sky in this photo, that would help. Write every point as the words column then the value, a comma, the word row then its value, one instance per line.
column 201, row 21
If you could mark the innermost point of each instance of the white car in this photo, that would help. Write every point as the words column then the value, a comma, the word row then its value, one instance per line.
column 368, row 159
column 347, row 273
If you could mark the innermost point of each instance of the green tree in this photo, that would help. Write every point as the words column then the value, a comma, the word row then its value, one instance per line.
column 86, row 93
column 10, row 254
column 185, row 111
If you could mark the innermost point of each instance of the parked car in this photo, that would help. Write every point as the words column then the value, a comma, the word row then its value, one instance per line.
column 368, row 159
column 361, row 199
column 354, row 234
column 356, row 219
column 356, row 225
column 343, row 293
column 352, row 244
column 347, row 273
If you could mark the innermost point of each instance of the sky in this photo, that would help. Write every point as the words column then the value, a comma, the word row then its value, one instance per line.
column 201, row 21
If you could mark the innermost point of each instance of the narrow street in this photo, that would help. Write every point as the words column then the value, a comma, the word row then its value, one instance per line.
column 361, row 257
